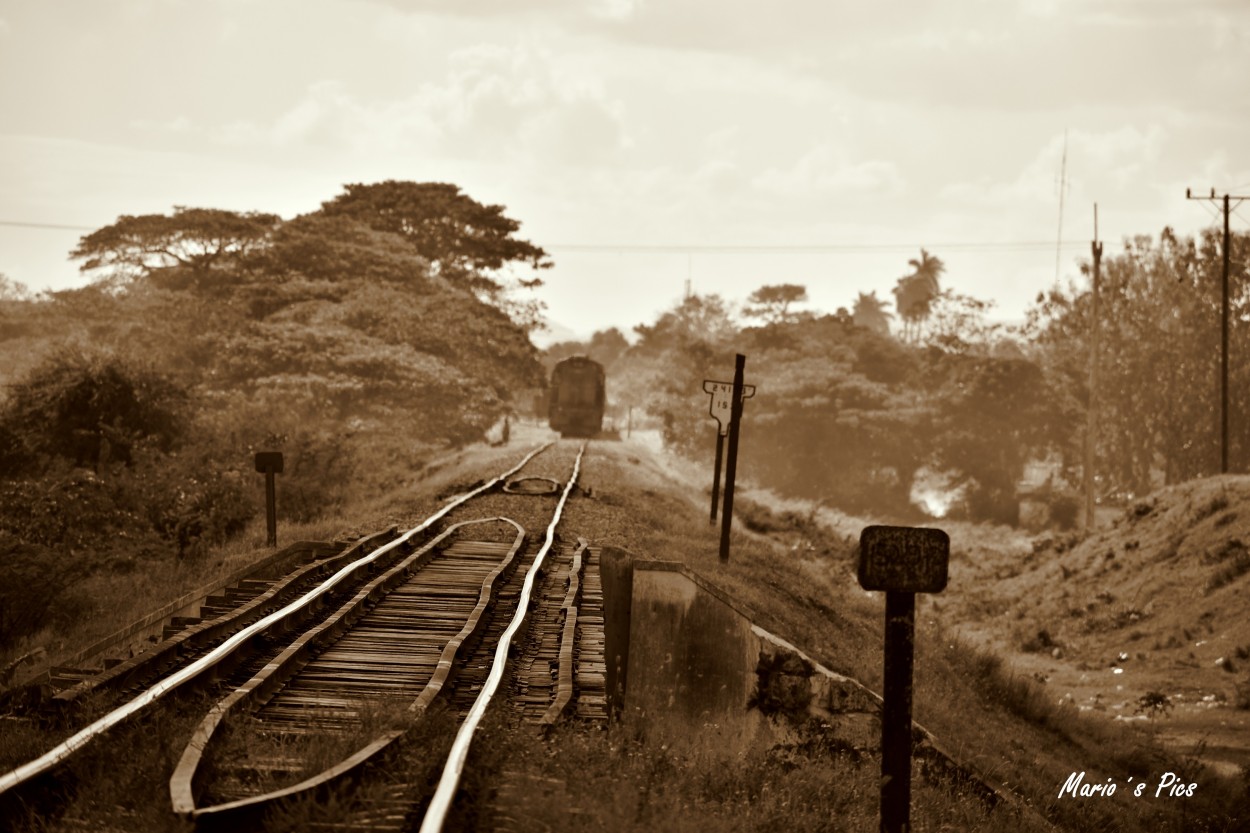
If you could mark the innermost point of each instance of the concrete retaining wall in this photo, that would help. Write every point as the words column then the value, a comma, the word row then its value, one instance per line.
column 689, row 667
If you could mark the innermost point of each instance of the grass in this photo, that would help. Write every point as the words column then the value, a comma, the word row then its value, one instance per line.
column 106, row 601
column 1004, row 726
column 1001, row 725
column 305, row 755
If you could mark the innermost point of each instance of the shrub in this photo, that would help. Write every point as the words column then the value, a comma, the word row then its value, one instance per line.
column 34, row 580
column 191, row 503
column 90, row 408
column 70, row 510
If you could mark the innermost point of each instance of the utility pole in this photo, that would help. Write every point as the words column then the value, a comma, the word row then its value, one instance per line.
column 1091, row 414
column 1223, row 325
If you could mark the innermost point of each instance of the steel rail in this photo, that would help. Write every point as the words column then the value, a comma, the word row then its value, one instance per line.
column 281, row 669
column 440, row 804
column 63, row 750
column 568, row 639
column 201, row 635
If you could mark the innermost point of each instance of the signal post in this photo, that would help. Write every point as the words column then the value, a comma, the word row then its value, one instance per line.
column 902, row 561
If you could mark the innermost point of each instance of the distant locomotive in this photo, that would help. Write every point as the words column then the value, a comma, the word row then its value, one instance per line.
column 576, row 398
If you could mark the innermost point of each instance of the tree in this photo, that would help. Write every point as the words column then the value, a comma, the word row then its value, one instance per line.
column 1158, row 384
column 993, row 415
column 461, row 238
column 695, row 318
column 189, row 244
column 11, row 290
column 90, row 408
column 957, row 324
column 914, row 294
column 772, row 303
column 340, row 248
column 870, row 313
column 605, row 347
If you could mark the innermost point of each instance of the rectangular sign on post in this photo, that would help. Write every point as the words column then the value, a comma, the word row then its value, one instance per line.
column 902, row 561
column 270, row 462
column 903, row 558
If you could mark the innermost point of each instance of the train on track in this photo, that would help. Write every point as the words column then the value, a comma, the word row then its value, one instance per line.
column 577, row 397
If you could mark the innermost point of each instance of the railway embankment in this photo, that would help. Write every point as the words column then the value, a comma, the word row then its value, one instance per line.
column 744, row 690
column 749, row 694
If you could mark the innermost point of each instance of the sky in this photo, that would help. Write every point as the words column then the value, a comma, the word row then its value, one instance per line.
column 645, row 143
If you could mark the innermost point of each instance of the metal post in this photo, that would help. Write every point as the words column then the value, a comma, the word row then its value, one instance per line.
column 271, row 508
column 720, row 449
column 900, row 635
column 731, row 467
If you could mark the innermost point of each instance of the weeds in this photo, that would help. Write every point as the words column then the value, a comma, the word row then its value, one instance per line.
column 1230, row 572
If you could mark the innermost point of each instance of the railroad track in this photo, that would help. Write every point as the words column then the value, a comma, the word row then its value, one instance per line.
column 238, row 633
column 436, row 628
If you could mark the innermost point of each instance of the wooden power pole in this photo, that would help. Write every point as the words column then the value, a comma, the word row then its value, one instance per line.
column 1091, row 414
column 1223, row 325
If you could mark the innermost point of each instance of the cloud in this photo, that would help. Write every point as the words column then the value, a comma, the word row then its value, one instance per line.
column 494, row 101
column 823, row 170
column 615, row 9
column 483, row 8
column 1105, row 162
column 179, row 124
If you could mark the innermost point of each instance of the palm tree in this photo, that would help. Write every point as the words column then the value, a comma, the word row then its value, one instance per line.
column 914, row 294
column 870, row 313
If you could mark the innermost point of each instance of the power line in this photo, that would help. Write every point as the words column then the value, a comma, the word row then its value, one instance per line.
column 804, row 248
column 20, row 224
column 784, row 248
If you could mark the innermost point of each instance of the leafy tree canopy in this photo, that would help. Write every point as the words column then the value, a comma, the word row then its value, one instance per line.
column 696, row 318
column 461, row 238
column 605, row 347
column 915, row 292
column 870, row 312
column 196, row 240
column 337, row 248
column 92, row 407
column 772, row 303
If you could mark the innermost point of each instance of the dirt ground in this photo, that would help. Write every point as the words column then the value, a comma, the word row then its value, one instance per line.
column 1142, row 621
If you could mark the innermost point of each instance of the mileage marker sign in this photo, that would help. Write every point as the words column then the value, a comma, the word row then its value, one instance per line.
column 902, row 561
column 721, row 410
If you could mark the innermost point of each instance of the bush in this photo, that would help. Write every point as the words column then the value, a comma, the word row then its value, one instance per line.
column 34, row 581
column 190, row 503
column 69, row 510
column 90, row 408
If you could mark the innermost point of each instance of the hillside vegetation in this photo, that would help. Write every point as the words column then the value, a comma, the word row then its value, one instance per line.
column 358, row 340
column 935, row 409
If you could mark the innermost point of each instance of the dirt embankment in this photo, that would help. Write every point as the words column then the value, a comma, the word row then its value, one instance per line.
column 1143, row 621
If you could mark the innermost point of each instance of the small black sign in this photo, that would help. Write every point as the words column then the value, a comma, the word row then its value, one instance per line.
column 269, row 461
column 906, row 559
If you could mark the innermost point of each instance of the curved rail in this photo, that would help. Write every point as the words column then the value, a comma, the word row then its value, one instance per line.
column 568, row 638
column 59, row 753
column 440, row 804
column 205, row 633
column 181, row 784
